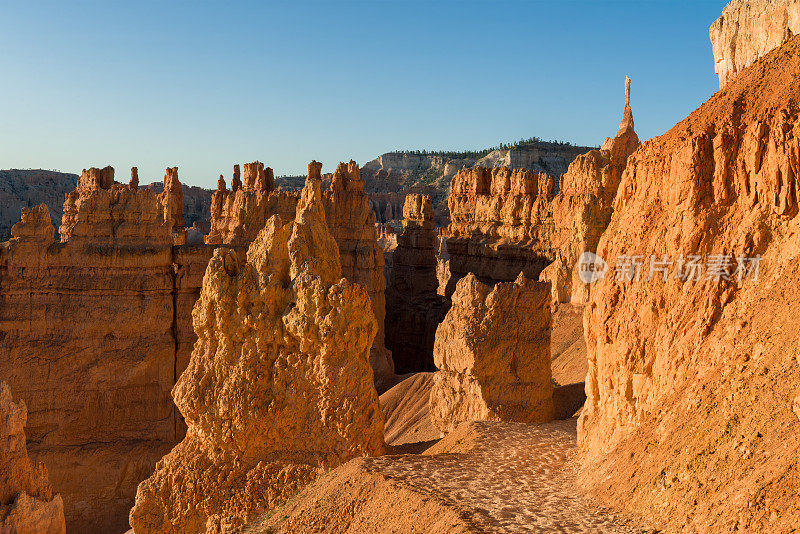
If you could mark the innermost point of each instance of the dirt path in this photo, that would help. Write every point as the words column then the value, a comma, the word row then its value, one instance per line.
column 484, row 477
column 515, row 478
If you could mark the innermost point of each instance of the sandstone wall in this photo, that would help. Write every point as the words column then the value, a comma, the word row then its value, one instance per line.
column 92, row 337
column 501, row 224
column 492, row 353
column 747, row 30
column 414, row 308
column 238, row 215
column 689, row 415
column 27, row 503
column 279, row 387
column 22, row 188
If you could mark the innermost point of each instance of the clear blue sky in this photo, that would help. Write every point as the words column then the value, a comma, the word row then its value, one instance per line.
column 206, row 85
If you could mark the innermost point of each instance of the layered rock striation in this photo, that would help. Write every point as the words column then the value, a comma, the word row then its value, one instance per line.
column 748, row 30
column 239, row 214
column 92, row 340
column 689, row 415
column 414, row 308
column 279, row 386
column 501, row 224
column 27, row 503
column 493, row 355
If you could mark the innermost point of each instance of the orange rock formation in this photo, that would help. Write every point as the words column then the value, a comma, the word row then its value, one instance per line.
column 749, row 29
column 238, row 215
column 414, row 309
column 502, row 222
column 583, row 207
column 493, row 355
column 27, row 504
column 93, row 338
column 689, row 417
column 279, row 386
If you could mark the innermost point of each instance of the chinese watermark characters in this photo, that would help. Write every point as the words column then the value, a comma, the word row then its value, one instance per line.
column 686, row 268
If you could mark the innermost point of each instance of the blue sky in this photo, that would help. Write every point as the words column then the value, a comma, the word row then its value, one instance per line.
column 206, row 85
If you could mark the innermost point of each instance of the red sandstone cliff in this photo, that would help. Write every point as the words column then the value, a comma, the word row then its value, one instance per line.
column 92, row 340
column 692, row 409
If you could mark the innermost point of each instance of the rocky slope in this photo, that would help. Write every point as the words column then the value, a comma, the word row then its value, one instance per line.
column 692, row 411
column 279, row 386
column 492, row 353
column 747, row 30
column 27, row 503
column 28, row 188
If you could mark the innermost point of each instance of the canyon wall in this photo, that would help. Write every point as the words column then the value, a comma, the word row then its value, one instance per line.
column 492, row 353
column 502, row 224
column 25, row 188
column 692, row 392
column 747, row 30
column 27, row 503
column 413, row 307
column 92, row 342
column 279, row 387
column 239, row 214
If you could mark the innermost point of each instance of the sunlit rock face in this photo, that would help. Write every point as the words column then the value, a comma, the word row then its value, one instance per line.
column 501, row 224
column 689, row 414
column 748, row 30
column 94, row 331
column 27, row 503
column 238, row 215
column 584, row 205
column 279, row 387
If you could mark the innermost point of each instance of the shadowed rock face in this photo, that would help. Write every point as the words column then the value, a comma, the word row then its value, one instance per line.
column 689, row 413
column 493, row 355
column 27, row 503
column 94, row 331
column 414, row 308
column 237, row 216
column 27, row 188
column 279, row 386
column 748, row 30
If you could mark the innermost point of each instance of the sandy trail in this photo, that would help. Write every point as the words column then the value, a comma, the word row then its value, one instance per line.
column 513, row 478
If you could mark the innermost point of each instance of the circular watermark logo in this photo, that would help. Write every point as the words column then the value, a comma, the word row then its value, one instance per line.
column 591, row 267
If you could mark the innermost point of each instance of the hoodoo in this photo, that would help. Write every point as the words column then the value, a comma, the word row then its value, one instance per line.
column 279, row 387
column 493, row 355
column 583, row 207
column 27, row 503
column 414, row 308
